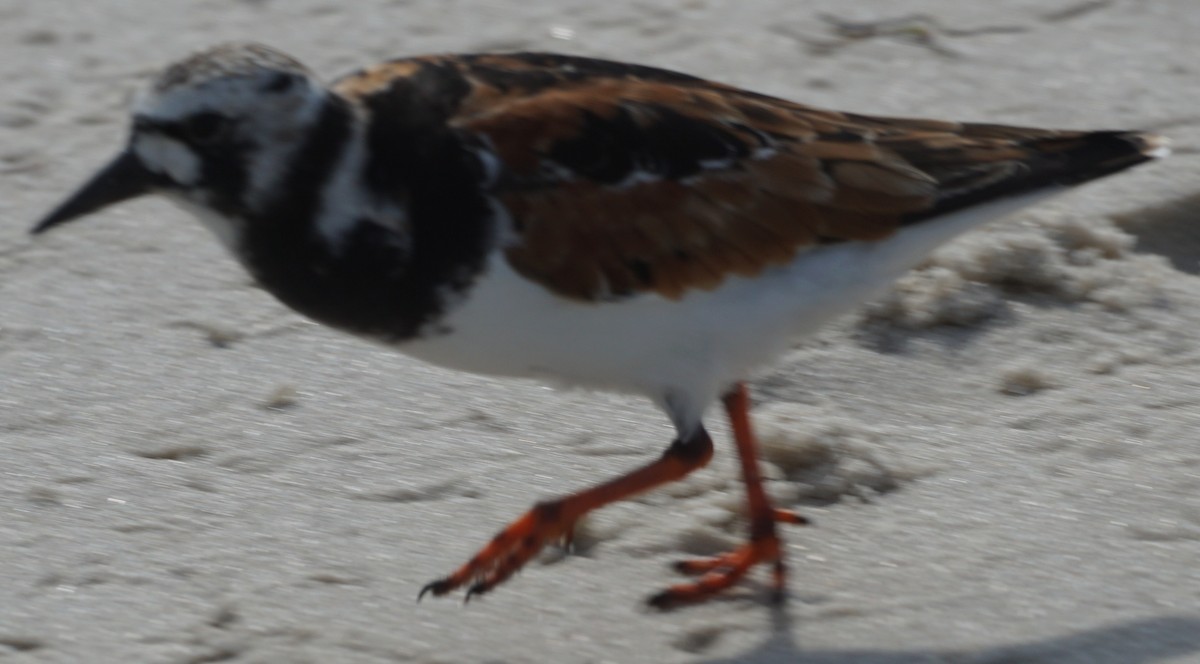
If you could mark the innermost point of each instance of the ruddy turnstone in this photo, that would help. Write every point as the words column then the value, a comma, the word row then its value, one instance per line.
column 596, row 223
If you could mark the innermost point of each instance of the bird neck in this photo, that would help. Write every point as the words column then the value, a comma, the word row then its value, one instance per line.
column 377, row 240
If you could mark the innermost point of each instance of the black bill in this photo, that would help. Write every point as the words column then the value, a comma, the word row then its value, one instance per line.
column 123, row 178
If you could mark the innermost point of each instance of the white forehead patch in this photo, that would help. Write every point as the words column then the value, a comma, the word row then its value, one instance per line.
column 169, row 157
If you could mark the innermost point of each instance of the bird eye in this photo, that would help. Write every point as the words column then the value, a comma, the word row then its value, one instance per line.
column 279, row 82
column 205, row 127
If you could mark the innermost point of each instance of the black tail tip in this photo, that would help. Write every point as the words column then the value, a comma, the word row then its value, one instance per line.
column 1093, row 155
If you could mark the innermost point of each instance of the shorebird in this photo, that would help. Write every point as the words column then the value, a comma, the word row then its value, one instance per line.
column 577, row 220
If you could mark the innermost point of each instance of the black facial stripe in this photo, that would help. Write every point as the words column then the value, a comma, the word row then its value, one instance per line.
column 429, row 170
column 280, row 82
column 174, row 129
column 223, row 161
column 375, row 281
column 297, row 198
column 224, row 174
column 205, row 127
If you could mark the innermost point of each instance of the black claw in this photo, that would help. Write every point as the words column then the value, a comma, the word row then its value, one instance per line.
column 663, row 601
column 477, row 589
column 438, row 588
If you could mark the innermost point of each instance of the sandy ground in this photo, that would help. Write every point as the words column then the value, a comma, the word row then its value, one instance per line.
column 1000, row 456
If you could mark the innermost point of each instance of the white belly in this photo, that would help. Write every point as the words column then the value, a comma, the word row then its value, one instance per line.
column 689, row 349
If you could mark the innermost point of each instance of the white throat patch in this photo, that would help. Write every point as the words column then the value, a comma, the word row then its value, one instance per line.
column 169, row 157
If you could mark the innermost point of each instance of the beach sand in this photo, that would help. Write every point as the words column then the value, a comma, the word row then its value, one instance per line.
column 1001, row 456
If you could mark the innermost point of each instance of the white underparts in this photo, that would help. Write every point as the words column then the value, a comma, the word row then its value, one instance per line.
column 692, row 348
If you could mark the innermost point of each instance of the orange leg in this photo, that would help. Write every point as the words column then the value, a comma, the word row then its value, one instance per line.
column 723, row 571
column 552, row 520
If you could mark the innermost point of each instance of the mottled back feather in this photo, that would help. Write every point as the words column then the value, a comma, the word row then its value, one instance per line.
column 622, row 179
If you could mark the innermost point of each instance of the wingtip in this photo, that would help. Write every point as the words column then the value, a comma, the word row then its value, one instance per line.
column 1103, row 153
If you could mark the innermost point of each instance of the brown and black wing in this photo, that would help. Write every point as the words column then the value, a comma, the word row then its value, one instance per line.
column 623, row 179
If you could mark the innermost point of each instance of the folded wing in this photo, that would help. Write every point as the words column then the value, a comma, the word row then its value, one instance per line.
column 622, row 179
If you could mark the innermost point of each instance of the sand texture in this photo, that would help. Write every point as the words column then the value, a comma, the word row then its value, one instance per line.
column 1001, row 456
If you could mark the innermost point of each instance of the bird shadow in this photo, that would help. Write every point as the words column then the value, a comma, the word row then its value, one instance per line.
column 890, row 339
column 1131, row 642
column 1168, row 229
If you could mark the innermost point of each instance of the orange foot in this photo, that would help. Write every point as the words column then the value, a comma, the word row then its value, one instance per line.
column 508, row 551
column 554, row 520
column 721, row 572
